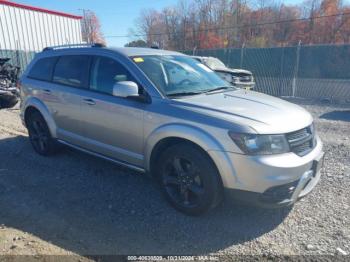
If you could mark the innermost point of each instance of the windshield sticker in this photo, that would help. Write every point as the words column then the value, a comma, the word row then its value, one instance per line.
column 138, row 59
column 204, row 67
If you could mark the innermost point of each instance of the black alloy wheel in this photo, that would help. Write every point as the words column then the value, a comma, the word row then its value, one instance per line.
column 189, row 179
column 182, row 182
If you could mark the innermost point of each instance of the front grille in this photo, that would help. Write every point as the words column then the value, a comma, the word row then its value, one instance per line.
column 302, row 141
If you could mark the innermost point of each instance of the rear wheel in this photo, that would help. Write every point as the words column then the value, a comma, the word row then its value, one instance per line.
column 40, row 136
column 189, row 179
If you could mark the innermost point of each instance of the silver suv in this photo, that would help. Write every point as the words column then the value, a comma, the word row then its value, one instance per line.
column 167, row 115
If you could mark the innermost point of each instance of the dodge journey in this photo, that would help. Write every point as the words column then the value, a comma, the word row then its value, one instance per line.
column 168, row 115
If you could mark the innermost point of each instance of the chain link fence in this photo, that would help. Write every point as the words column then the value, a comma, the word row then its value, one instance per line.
column 320, row 72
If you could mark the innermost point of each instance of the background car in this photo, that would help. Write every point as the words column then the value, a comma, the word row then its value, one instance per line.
column 238, row 77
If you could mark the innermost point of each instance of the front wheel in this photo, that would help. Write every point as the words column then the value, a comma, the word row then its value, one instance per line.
column 189, row 179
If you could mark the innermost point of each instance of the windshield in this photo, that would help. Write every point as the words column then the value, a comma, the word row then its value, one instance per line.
column 214, row 63
column 179, row 75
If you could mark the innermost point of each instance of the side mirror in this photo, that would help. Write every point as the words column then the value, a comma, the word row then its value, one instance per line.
column 125, row 89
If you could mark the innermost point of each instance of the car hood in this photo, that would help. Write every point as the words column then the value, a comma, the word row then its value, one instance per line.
column 262, row 113
column 232, row 71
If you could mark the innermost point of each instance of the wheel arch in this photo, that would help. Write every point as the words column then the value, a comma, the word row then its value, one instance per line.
column 170, row 134
column 34, row 104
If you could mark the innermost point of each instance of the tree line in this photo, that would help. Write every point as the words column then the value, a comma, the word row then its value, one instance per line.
column 205, row 24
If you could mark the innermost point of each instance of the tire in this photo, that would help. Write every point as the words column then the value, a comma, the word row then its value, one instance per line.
column 40, row 136
column 9, row 102
column 189, row 179
column 8, row 99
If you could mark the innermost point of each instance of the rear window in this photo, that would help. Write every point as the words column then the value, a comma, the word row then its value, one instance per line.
column 72, row 70
column 43, row 68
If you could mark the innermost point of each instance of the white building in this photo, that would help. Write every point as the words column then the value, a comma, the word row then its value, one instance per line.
column 27, row 28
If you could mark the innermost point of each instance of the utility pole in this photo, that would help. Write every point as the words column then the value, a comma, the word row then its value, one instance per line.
column 86, row 26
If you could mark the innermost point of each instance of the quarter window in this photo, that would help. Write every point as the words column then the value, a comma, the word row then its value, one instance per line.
column 72, row 70
column 42, row 69
column 105, row 72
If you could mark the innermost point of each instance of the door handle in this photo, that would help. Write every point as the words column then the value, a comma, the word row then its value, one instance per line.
column 89, row 102
column 47, row 91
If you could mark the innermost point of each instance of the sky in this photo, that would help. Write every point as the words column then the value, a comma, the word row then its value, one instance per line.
column 116, row 17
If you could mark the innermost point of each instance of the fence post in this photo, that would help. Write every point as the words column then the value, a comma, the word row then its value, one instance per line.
column 296, row 71
column 242, row 55
column 194, row 50
column 17, row 54
column 281, row 72
column 229, row 57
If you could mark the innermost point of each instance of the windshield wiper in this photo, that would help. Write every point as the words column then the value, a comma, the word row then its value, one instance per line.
column 218, row 89
column 184, row 94
column 202, row 92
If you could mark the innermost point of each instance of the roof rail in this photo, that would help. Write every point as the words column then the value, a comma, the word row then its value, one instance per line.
column 73, row 46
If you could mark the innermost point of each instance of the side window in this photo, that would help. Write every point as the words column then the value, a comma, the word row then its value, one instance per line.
column 43, row 68
column 72, row 70
column 105, row 72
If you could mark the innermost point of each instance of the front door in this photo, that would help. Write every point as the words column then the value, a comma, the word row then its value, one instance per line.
column 112, row 126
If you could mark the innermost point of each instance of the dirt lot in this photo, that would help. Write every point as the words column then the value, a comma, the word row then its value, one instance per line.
column 73, row 203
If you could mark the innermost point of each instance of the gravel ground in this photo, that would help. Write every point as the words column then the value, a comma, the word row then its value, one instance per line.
column 73, row 203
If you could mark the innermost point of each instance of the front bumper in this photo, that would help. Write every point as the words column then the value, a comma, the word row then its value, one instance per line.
column 270, row 180
column 282, row 195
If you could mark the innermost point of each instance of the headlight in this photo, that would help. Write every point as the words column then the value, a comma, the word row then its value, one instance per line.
column 253, row 144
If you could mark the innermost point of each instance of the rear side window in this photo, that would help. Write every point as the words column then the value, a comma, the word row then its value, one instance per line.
column 105, row 72
column 43, row 68
column 72, row 70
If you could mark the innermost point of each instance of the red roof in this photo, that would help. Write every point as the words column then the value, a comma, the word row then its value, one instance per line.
column 39, row 9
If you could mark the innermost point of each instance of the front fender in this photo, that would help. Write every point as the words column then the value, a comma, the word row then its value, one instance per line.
column 42, row 108
column 178, row 130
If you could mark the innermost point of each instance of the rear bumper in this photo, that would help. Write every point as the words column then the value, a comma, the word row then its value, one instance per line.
column 282, row 195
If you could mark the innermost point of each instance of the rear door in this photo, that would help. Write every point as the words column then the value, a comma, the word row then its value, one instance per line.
column 70, row 76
